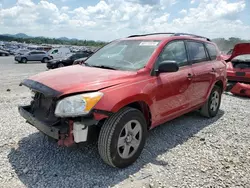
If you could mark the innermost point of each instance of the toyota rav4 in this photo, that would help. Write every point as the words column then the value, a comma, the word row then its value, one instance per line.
column 126, row 88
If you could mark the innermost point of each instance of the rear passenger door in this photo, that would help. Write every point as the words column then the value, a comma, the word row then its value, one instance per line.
column 38, row 56
column 203, row 69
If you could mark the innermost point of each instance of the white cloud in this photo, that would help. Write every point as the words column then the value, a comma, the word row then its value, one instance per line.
column 64, row 8
column 110, row 19
column 183, row 11
column 192, row 2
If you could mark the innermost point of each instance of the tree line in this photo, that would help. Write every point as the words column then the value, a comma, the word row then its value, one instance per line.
column 44, row 40
column 223, row 44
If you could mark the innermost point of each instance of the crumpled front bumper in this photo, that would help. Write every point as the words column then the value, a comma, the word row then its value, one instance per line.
column 62, row 131
column 50, row 130
column 241, row 89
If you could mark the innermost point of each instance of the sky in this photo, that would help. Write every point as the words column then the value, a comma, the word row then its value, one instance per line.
column 107, row 20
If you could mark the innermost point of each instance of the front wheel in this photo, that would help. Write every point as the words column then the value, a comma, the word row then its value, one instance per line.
column 60, row 65
column 24, row 60
column 122, row 137
column 212, row 105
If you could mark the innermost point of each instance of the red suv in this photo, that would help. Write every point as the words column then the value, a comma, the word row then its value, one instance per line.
column 126, row 88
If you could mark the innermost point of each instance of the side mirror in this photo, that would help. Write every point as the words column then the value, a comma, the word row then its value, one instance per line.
column 168, row 66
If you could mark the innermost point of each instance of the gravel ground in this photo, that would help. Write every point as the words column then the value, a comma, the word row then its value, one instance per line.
column 190, row 151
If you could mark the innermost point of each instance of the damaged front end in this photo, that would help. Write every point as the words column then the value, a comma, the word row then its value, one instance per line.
column 41, row 114
column 239, row 89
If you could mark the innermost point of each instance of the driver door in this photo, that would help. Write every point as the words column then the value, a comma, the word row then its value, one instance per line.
column 173, row 95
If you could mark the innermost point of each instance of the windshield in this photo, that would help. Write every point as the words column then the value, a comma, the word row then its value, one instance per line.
column 124, row 55
column 242, row 58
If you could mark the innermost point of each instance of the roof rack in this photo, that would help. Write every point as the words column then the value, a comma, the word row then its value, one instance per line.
column 173, row 34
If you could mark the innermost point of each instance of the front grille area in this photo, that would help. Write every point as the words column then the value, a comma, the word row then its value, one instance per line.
column 43, row 108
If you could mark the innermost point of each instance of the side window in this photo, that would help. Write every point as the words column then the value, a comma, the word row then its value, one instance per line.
column 55, row 51
column 213, row 53
column 196, row 51
column 175, row 51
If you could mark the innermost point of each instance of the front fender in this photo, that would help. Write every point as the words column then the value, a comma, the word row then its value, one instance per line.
column 136, row 98
column 115, row 103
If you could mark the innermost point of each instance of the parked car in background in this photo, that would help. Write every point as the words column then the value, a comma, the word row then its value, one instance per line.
column 57, row 53
column 118, row 99
column 4, row 53
column 66, row 61
column 238, row 63
column 33, row 56
column 80, row 61
column 21, row 51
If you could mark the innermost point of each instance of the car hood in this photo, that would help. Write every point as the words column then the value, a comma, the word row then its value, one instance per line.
column 239, row 49
column 75, row 79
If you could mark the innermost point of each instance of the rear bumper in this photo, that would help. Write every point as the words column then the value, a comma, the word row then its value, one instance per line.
column 51, row 131
column 17, row 58
column 238, row 79
column 231, row 76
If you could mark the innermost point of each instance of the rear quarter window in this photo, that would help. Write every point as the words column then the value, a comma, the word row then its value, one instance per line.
column 212, row 51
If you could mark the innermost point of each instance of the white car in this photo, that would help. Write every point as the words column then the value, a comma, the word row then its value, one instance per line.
column 57, row 53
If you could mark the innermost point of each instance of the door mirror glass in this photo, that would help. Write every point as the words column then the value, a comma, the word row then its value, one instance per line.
column 168, row 66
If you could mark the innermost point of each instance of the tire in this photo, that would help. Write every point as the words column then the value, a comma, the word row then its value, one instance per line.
column 60, row 65
column 212, row 105
column 117, row 126
column 45, row 60
column 24, row 60
column 2, row 54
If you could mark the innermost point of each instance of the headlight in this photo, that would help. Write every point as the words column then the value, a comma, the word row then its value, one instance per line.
column 77, row 105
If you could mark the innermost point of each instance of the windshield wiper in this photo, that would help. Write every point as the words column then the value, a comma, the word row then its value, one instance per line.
column 101, row 66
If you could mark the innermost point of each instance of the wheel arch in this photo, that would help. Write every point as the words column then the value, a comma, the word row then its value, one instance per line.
column 220, row 84
column 139, row 102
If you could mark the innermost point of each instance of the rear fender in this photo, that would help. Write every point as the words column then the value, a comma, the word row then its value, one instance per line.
column 223, row 87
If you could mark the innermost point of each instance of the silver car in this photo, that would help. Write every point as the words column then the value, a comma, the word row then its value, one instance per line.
column 42, row 56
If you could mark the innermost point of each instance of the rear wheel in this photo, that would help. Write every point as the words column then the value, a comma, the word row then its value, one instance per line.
column 24, row 60
column 45, row 60
column 212, row 105
column 122, row 138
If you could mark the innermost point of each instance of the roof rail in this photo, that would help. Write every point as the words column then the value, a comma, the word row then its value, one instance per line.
column 173, row 34
column 150, row 34
column 192, row 35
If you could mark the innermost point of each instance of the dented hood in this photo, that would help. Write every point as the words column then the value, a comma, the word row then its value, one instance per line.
column 240, row 49
column 74, row 79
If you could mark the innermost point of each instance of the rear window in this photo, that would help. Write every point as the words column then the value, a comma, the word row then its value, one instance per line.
column 243, row 58
column 212, row 51
column 196, row 51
